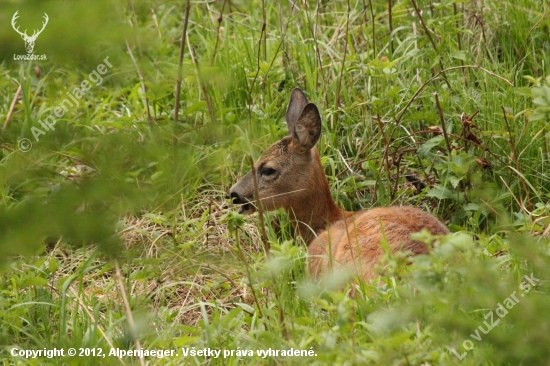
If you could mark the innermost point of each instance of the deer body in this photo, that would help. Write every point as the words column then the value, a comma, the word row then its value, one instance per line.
column 290, row 176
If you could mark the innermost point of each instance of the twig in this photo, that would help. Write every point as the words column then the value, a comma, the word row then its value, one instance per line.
column 515, row 159
column 264, row 25
column 373, row 41
column 12, row 107
column 337, row 102
column 459, row 41
column 180, row 61
column 373, row 29
column 313, row 30
column 442, row 121
column 415, row 6
column 347, row 165
column 248, row 273
column 283, row 35
column 397, row 162
column 427, row 31
column 259, row 207
column 262, row 34
column 219, row 20
column 203, row 86
column 281, row 21
column 272, row 61
column 390, row 18
column 142, row 82
column 417, row 70
column 385, row 157
column 129, row 315
column 520, row 204
column 155, row 20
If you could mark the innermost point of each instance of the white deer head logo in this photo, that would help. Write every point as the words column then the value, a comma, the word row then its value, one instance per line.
column 29, row 40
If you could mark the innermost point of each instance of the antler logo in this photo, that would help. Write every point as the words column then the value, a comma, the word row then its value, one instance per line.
column 29, row 40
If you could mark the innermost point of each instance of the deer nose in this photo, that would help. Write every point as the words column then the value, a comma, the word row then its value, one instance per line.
column 235, row 198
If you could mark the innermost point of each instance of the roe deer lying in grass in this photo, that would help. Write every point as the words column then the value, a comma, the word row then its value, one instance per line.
column 290, row 176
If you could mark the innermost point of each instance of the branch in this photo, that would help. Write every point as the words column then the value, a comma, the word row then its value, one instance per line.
column 180, row 61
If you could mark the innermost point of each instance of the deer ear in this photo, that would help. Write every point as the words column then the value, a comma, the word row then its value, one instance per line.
column 307, row 129
column 296, row 105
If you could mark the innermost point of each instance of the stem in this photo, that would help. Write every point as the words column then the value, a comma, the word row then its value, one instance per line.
column 515, row 158
column 260, row 42
column 180, row 61
column 219, row 20
column 426, row 30
column 337, row 103
column 129, row 315
column 459, row 40
column 203, row 86
column 142, row 82
column 12, row 107
column 259, row 207
column 264, row 25
column 442, row 121
column 386, row 149
column 248, row 274
column 390, row 18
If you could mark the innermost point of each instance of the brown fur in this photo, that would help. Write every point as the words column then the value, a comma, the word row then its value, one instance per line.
column 290, row 176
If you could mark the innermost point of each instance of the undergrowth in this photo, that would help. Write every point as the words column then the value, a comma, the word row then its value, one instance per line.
column 114, row 229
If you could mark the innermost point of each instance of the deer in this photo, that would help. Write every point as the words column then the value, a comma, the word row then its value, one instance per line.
column 290, row 176
column 29, row 40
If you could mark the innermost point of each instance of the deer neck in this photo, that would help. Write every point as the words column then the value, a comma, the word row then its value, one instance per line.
column 316, row 210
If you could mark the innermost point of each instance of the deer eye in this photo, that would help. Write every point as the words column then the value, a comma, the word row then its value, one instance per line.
column 267, row 171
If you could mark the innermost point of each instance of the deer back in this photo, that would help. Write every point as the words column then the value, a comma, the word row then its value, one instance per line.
column 354, row 243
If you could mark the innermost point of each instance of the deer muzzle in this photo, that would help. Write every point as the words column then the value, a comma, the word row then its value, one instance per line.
column 242, row 193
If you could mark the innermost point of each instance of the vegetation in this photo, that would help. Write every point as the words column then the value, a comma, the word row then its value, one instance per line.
column 114, row 230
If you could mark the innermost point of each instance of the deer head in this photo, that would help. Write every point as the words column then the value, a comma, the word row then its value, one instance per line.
column 29, row 40
column 289, row 173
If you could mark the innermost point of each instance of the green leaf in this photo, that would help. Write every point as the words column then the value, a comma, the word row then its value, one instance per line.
column 365, row 183
column 245, row 307
column 425, row 148
column 234, row 220
column 441, row 192
column 471, row 207
column 33, row 281
column 53, row 265
column 196, row 107
column 184, row 340
column 156, row 175
column 461, row 55
column 454, row 181
column 524, row 91
column 157, row 219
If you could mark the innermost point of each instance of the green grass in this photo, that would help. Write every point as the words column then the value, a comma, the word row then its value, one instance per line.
column 114, row 230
